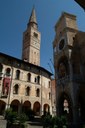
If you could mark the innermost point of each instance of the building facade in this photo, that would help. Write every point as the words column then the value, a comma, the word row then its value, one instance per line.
column 53, row 96
column 69, row 46
column 24, row 84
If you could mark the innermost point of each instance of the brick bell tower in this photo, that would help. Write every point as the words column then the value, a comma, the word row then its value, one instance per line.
column 31, row 41
column 66, row 30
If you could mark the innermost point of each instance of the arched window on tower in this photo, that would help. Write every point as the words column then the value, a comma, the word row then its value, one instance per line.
column 62, row 70
column 17, row 74
column 16, row 89
column 63, row 67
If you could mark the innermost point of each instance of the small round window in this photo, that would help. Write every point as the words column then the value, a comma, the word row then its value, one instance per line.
column 61, row 44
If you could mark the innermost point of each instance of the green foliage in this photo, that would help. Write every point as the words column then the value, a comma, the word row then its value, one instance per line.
column 22, row 118
column 47, row 120
column 30, row 113
column 10, row 116
column 63, row 120
column 54, row 122
column 14, row 119
column 84, row 126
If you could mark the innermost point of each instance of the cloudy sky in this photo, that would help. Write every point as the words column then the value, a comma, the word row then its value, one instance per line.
column 14, row 16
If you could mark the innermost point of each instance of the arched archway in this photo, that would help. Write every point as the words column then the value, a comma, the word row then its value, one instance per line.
column 2, row 107
column 26, row 106
column 36, row 108
column 15, row 105
column 63, row 67
column 46, row 108
column 65, row 106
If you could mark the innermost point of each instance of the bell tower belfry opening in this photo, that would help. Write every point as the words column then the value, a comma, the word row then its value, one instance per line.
column 67, row 84
column 31, row 41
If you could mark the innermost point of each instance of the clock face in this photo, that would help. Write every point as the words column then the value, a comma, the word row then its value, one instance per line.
column 61, row 44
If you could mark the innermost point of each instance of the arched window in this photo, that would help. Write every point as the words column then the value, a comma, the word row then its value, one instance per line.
column 16, row 89
column 38, row 92
column 61, row 44
column 29, row 77
column 28, row 91
column 49, row 84
column 63, row 67
column 1, row 68
column 17, row 74
column 38, row 79
column 62, row 70
column 8, row 70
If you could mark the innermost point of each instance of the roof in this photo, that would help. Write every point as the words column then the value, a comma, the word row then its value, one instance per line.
column 26, row 64
column 81, row 3
column 33, row 17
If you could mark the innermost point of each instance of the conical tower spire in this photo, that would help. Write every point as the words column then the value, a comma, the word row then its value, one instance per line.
column 32, row 19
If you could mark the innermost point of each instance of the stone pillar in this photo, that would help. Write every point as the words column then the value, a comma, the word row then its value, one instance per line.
column 7, row 106
column 75, row 115
column 41, row 110
column 20, row 108
column 32, row 104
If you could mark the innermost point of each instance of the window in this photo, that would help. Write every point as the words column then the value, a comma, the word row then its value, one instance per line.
column 29, row 77
column 37, row 93
column 61, row 44
column 17, row 74
column 49, row 83
column 16, row 89
column 8, row 71
column 28, row 91
column 62, row 70
column 35, row 35
column 37, row 79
